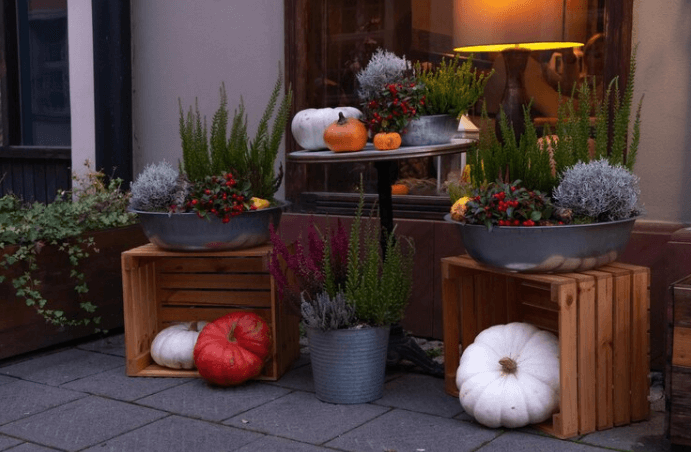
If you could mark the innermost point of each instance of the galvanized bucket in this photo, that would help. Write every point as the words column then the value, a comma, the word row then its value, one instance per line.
column 430, row 130
column 348, row 365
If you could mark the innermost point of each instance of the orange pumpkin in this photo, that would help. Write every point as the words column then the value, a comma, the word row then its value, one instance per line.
column 399, row 189
column 387, row 141
column 346, row 135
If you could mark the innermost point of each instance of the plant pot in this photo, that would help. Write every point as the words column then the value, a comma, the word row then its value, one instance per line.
column 430, row 130
column 188, row 232
column 546, row 249
column 349, row 365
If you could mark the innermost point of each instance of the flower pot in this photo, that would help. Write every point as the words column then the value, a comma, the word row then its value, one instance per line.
column 430, row 130
column 188, row 232
column 546, row 249
column 349, row 365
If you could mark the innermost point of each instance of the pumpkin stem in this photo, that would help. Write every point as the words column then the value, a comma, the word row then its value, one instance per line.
column 231, row 333
column 508, row 365
column 342, row 120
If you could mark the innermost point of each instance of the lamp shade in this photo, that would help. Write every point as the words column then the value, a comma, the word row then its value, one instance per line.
column 482, row 22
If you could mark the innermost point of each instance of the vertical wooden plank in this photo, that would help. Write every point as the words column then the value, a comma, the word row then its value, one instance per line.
column 621, row 318
column 587, row 381
column 566, row 422
column 483, row 300
column 513, row 304
column 451, row 300
column 469, row 315
column 640, row 345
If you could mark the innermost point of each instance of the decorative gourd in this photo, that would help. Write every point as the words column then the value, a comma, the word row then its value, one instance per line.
column 399, row 189
column 174, row 346
column 386, row 141
column 346, row 135
column 308, row 125
column 233, row 348
column 510, row 376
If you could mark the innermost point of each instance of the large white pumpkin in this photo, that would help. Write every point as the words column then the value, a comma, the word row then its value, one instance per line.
column 509, row 376
column 308, row 125
column 174, row 346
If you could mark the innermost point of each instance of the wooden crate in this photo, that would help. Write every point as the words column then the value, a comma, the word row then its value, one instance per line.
column 164, row 287
column 678, row 366
column 602, row 320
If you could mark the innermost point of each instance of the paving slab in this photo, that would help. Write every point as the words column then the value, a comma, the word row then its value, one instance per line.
column 5, row 379
column 30, row 447
column 401, row 430
column 273, row 444
column 514, row 441
column 21, row 399
column 116, row 384
column 299, row 378
column 111, row 345
column 81, row 423
column 59, row 368
column 200, row 400
column 179, row 434
column 302, row 417
column 6, row 442
column 421, row 393
column 639, row 436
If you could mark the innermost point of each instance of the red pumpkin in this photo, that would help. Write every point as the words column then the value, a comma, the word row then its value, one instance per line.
column 233, row 348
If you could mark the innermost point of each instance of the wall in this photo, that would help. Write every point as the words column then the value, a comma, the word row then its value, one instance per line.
column 185, row 50
column 663, row 35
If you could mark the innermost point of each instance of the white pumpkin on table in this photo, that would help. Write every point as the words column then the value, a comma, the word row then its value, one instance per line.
column 308, row 125
column 174, row 346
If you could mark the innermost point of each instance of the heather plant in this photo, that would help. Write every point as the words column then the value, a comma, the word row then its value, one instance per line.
column 327, row 312
column 599, row 191
column 384, row 68
column 155, row 187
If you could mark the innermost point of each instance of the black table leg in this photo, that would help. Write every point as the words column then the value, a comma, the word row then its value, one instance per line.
column 401, row 347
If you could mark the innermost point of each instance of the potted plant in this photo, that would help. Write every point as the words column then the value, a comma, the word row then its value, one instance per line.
column 62, row 261
column 450, row 89
column 564, row 202
column 349, row 292
column 225, row 185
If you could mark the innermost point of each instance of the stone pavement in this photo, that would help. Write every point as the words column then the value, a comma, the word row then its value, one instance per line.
column 78, row 398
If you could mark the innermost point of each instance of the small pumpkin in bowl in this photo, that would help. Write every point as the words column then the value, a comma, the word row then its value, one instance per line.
column 346, row 135
column 399, row 189
column 387, row 141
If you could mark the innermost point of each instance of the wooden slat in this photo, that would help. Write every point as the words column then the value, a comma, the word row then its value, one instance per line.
column 566, row 422
column 640, row 344
column 587, row 358
column 213, row 265
column 469, row 324
column 681, row 355
column 451, row 317
column 174, row 314
column 542, row 318
column 682, row 305
column 680, row 405
column 213, row 281
column 235, row 298
column 621, row 332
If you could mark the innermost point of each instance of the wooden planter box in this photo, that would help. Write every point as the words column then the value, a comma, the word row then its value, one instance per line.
column 601, row 318
column 164, row 287
column 678, row 367
column 22, row 330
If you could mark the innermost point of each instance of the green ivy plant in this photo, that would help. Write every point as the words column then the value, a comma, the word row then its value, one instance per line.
column 96, row 203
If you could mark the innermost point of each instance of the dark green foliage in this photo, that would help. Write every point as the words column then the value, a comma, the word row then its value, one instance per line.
column 195, row 148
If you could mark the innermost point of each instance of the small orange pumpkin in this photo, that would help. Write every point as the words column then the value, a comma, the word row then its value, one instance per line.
column 346, row 135
column 399, row 189
column 387, row 141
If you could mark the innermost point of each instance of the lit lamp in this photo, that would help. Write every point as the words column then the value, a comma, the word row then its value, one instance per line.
column 515, row 28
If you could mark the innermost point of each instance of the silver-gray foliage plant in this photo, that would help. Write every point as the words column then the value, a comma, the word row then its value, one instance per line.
column 599, row 190
column 383, row 68
column 326, row 312
column 155, row 188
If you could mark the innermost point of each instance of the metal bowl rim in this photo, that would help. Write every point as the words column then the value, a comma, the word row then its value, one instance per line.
column 282, row 204
column 448, row 218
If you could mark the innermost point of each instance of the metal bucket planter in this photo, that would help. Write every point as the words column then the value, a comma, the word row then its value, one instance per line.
column 188, row 232
column 546, row 249
column 348, row 365
column 430, row 130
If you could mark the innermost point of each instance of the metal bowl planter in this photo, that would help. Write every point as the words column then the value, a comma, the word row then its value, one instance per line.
column 546, row 249
column 188, row 232
column 430, row 130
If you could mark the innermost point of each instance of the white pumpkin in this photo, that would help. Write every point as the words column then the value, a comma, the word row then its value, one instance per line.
column 174, row 346
column 308, row 125
column 509, row 376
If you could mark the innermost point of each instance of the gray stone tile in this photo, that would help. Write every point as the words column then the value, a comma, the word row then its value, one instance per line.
column 640, row 436
column 111, row 345
column 6, row 442
column 402, row 430
column 31, row 447
column 82, row 423
column 24, row 398
column 117, row 385
column 61, row 367
column 297, row 378
column 301, row 416
column 201, row 400
column 5, row 379
column 179, row 434
column 513, row 441
column 421, row 393
column 273, row 444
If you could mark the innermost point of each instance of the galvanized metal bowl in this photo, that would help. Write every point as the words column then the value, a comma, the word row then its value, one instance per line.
column 430, row 130
column 188, row 232
column 546, row 249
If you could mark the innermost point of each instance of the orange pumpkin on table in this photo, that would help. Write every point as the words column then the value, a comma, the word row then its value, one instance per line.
column 387, row 141
column 346, row 135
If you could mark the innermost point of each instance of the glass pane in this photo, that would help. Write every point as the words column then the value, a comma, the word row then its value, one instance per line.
column 345, row 33
column 44, row 72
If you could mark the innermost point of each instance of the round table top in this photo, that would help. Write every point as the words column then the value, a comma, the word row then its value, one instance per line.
column 370, row 154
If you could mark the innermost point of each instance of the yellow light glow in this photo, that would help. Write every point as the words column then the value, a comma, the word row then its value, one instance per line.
column 523, row 45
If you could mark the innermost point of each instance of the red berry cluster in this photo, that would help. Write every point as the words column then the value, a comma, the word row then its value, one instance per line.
column 394, row 106
column 218, row 196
